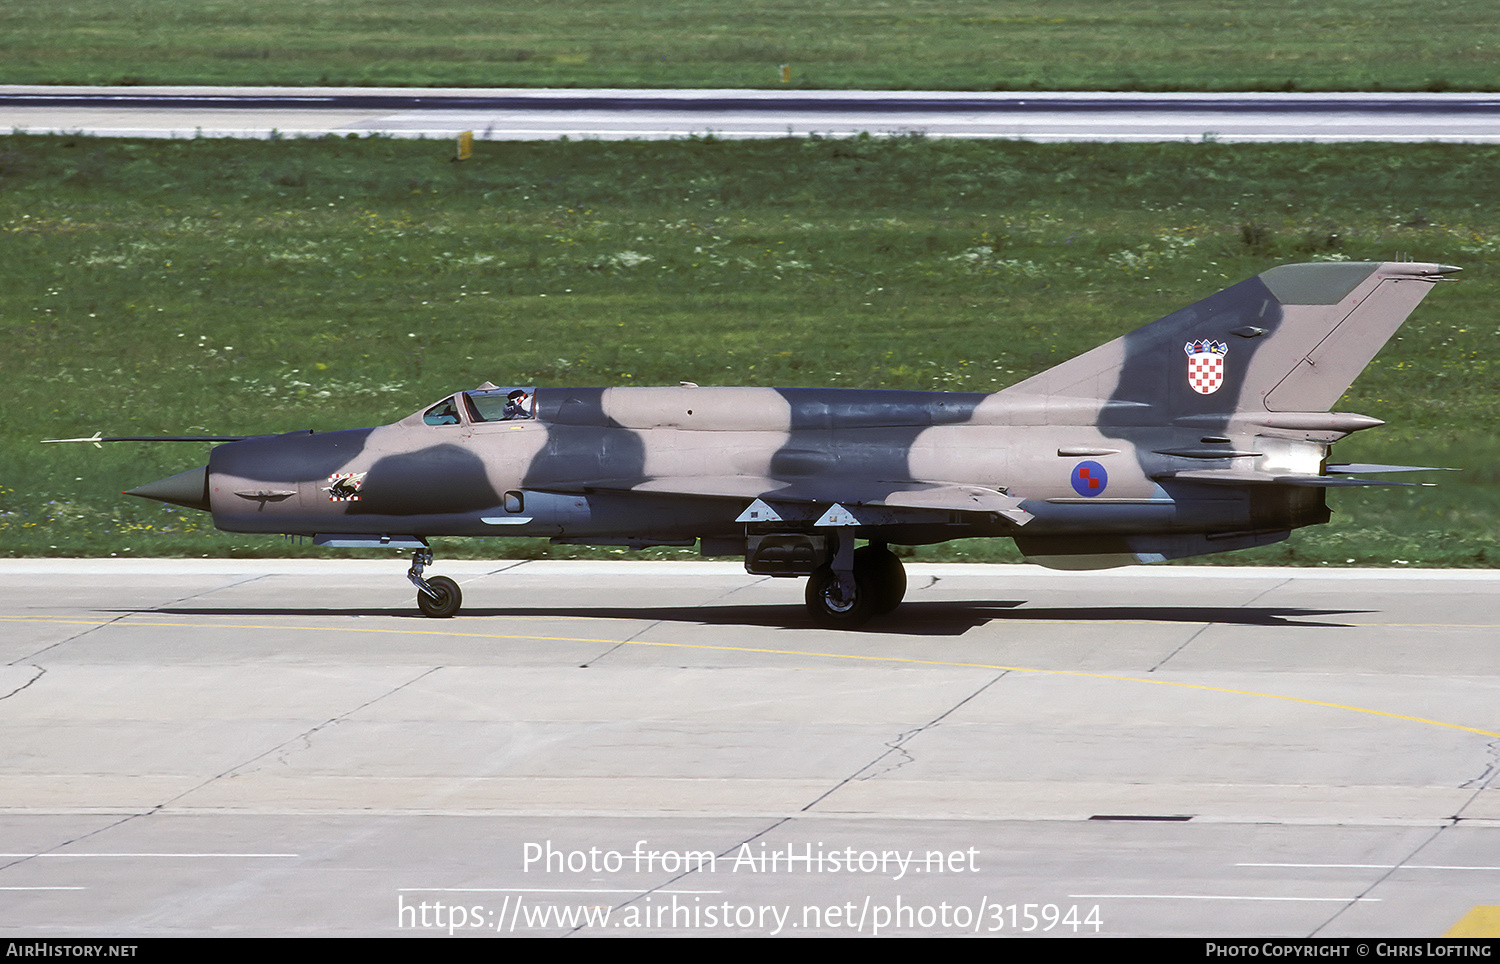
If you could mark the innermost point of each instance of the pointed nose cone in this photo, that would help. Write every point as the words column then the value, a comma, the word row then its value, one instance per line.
column 188, row 488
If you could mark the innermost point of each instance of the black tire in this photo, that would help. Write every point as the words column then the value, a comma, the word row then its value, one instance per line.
column 825, row 606
column 881, row 570
column 448, row 598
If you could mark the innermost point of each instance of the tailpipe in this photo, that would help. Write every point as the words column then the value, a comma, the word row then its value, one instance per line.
column 188, row 489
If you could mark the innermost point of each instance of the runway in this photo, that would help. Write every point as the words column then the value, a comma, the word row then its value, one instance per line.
column 240, row 747
column 527, row 114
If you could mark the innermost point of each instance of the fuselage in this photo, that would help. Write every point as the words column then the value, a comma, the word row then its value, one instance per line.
column 663, row 465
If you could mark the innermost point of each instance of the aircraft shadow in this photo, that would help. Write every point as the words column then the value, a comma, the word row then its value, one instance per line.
column 912, row 619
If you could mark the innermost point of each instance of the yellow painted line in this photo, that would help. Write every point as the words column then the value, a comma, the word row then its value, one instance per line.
column 1429, row 625
column 810, row 654
column 1479, row 922
column 1017, row 616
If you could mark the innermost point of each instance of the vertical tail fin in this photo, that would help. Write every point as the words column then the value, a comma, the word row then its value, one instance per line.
column 1291, row 339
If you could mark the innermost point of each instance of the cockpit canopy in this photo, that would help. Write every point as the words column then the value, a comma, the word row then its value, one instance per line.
column 484, row 405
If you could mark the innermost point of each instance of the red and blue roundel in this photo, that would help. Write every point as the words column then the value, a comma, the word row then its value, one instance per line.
column 1089, row 478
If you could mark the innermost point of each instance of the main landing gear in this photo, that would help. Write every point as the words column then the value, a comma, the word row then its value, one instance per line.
column 438, row 596
column 856, row 585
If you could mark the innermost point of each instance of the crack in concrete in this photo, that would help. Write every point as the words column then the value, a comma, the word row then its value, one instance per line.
column 40, row 672
column 898, row 746
column 1479, row 784
column 1488, row 774
column 134, row 612
column 1206, row 626
column 282, row 751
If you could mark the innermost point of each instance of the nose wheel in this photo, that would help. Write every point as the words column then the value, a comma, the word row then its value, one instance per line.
column 439, row 596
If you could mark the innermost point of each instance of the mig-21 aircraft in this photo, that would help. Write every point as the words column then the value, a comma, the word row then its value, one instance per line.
column 1206, row 431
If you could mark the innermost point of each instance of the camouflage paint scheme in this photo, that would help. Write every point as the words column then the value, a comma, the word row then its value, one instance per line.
column 1205, row 431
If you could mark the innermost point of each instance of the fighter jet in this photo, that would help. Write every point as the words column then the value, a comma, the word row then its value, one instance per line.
column 1205, row 431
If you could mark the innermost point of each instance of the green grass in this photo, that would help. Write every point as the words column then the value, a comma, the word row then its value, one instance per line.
column 242, row 287
column 896, row 44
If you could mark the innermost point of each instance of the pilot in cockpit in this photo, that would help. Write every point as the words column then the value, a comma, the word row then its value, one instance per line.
column 518, row 404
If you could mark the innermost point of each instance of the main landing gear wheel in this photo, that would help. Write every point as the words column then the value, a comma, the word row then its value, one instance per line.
column 879, row 586
column 446, row 602
column 887, row 577
column 831, row 606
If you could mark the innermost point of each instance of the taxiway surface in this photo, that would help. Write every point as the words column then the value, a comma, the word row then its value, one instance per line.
column 286, row 747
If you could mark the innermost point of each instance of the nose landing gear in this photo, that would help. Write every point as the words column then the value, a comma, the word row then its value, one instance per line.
column 439, row 596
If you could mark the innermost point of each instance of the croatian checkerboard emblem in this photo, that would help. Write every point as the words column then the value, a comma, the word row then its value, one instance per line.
column 1089, row 478
column 344, row 486
column 1205, row 365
